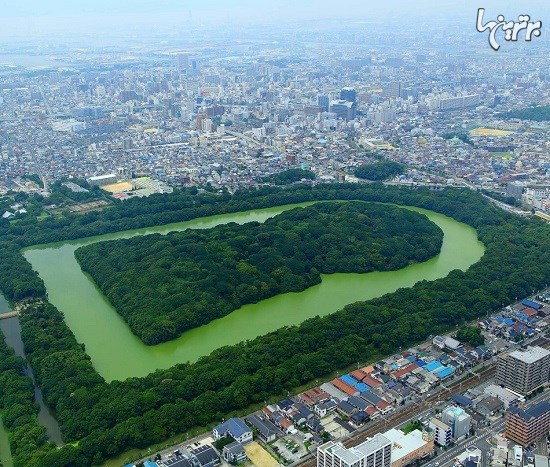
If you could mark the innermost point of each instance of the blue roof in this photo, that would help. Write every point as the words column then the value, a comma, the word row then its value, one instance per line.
column 349, row 380
column 531, row 304
column 150, row 464
column 503, row 320
column 362, row 387
column 235, row 426
column 420, row 363
column 444, row 372
column 391, row 384
column 411, row 358
column 433, row 365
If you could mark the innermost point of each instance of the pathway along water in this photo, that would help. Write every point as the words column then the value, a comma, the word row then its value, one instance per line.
column 5, row 453
column 117, row 354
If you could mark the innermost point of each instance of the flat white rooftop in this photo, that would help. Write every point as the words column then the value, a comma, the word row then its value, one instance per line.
column 531, row 355
column 402, row 444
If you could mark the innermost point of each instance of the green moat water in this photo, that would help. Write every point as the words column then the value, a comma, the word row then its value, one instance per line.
column 117, row 354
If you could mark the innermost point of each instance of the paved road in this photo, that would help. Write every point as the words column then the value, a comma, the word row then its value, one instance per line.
column 447, row 458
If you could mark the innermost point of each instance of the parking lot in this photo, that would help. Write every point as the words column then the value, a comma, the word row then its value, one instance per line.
column 291, row 447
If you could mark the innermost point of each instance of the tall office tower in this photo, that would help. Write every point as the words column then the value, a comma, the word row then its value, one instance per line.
column 374, row 452
column 527, row 426
column 182, row 62
column 195, row 66
column 523, row 371
column 348, row 94
column 391, row 89
column 458, row 420
column 323, row 101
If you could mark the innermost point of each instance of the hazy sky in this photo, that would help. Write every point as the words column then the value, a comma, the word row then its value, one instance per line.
column 30, row 17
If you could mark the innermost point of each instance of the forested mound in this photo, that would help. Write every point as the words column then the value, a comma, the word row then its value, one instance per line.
column 107, row 419
column 165, row 285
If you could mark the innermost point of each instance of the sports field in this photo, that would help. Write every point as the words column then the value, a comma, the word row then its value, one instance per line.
column 489, row 132
column 118, row 187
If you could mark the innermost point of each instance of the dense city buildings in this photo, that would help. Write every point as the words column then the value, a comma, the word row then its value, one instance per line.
column 225, row 117
column 524, row 371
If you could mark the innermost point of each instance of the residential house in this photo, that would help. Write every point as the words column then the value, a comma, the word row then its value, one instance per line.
column 323, row 409
column 315, row 425
column 344, row 387
column 205, row 456
column 358, row 403
column 234, row 453
column 346, row 409
column 489, row 405
column 266, row 430
column 235, row 428
column 313, row 397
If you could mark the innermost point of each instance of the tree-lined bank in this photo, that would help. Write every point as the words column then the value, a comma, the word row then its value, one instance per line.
column 109, row 418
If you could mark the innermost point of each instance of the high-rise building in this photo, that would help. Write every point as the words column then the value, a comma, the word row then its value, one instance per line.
column 528, row 426
column 374, row 452
column 323, row 101
column 182, row 62
column 391, row 89
column 524, row 371
column 458, row 420
column 348, row 94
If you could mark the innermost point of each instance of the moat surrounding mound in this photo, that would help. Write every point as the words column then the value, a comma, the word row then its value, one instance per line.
column 165, row 285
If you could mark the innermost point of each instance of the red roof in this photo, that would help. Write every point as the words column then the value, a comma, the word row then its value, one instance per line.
column 344, row 387
column 530, row 311
column 370, row 410
column 382, row 404
column 403, row 371
column 286, row 423
column 314, row 396
column 372, row 382
column 358, row 374
column 368, row 369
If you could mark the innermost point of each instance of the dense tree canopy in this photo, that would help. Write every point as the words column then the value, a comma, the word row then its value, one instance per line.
column 470, row 335
column 289, row 176
column 540, row 113
column 164, row 285
column 18, row 408
column 381, row 170
column 110, row 418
